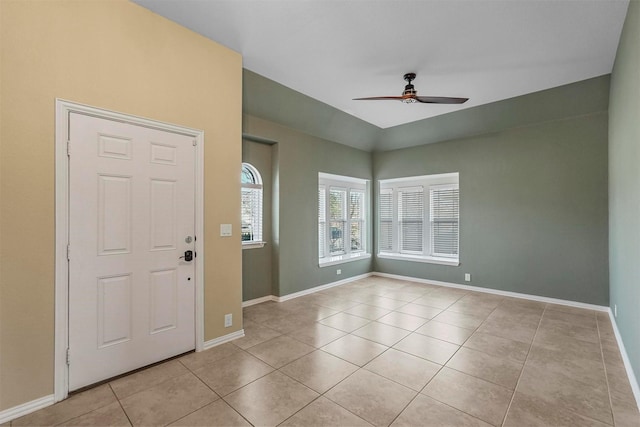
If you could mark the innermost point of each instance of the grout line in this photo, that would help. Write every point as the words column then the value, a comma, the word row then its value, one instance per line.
column 606, row 377
column 121, row 407
column 506, row 414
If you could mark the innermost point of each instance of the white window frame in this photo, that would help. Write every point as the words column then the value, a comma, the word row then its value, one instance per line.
column 326, row 183
column 255, row 242
column 427, row 183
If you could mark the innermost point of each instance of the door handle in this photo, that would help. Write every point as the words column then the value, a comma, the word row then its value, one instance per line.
column 188, row 256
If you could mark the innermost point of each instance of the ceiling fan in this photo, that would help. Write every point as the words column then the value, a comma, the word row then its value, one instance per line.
column 410, row 95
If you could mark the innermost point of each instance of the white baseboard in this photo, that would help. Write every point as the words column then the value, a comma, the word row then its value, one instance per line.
column 223, row 339
column 498, row 292
column 320, row 288
column 625, row 358
column 305, row 292
column 255, row 301
column 26, row 408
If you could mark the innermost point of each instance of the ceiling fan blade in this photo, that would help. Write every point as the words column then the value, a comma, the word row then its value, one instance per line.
column 380, row 98
column 440, row 100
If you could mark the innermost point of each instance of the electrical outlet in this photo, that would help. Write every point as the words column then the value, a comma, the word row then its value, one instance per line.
column 467, row 277
column 615, row 310
column 228, row 320
column 338, row 271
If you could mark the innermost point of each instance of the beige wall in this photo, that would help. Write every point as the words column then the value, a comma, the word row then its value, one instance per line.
column 115, row 55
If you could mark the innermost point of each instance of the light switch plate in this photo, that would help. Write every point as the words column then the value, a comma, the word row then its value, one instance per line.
column 225, row 230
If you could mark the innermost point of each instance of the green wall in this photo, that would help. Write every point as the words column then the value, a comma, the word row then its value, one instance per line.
column 533, row 205
column 624, row 185
column 297, row 158
column 256, row 262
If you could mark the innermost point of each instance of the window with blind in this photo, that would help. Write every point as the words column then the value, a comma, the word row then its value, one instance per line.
column 419, row 218
column 342, row 221
column 251, row 209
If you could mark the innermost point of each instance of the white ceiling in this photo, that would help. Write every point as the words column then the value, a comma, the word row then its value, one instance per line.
column 486, row 50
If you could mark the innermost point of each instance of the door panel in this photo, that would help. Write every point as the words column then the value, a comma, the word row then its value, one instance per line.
column 132, row 204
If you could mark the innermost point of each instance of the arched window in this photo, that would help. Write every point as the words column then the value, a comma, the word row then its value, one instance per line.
column 251, row 205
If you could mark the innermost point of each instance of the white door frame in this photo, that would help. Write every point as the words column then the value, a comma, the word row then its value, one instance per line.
column 63, row 111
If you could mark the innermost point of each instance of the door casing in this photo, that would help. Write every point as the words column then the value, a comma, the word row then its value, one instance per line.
column 63, row 110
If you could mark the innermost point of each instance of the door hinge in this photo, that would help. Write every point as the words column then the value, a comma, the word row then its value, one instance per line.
column 68, row 252
column 68, row 147
column 68, row 356
column 195, row 142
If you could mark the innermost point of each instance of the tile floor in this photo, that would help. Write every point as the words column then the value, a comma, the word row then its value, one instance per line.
column 381, row 352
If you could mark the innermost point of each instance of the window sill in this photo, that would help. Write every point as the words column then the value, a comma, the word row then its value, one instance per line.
column 419, row 258
column 341, row 259
column 253, row 245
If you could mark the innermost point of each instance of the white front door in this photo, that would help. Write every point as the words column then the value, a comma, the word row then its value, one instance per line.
column 131, row 218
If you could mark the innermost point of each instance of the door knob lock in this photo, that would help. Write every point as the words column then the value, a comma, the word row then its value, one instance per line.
column 188, row 256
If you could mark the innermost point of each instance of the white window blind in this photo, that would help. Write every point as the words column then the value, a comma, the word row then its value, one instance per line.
column 356, row 220
column 322, row 220
column 337, row 220
column 251, row 204
column 385, row 235
column 411, row 219
column 419, row 218
column 445, row 211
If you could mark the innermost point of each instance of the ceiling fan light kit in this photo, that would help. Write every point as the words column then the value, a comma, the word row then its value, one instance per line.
column 410, row 95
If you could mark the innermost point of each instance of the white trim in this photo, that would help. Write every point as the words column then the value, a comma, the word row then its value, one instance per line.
column 419, row 258
column 497, row 292
column 223, row 339
column 255, row 301
column 61, row 339
column 419, row 180
column 253, row 245
column 339, row 179
column 341, row 259
column 305, row 292
column 320, row 288
column 625, row 359
column 26, row 408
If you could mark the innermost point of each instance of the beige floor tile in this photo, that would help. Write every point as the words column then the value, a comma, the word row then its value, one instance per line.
column 231, row 373
column 371, row 397
column 383, row 334
column 322, row 413
column 345, row 322
column 509, row 329
column 168, row 402
column 280, row 351
column 319, row 370
column 271, row 399
column 494, row 369
column 442, row 302
column 216, row 414
column 74, row 406
column 625, row 413
column 471, row 308
column 562, row 342
column 288, row 322
column 498, row 346
column 569, row 329
column 368, row 311
column 424, row 411
column 445, row 332
column 316, row 334
column 402, row 295
column 572, row 364
column 402, row 320
column 261, row 312
column 356, row 350
column 573, row 395
column 254, row 334
column 111, row 415
column 432, row 349
column 336, row 303
column 383, row 302
column 476, row 397
column 411, row 371
column 529, row 411
column 572, row 310
column 318, row 312
column 420, row 310
column 131, row 384
column 460, row 320
column 200, row 359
